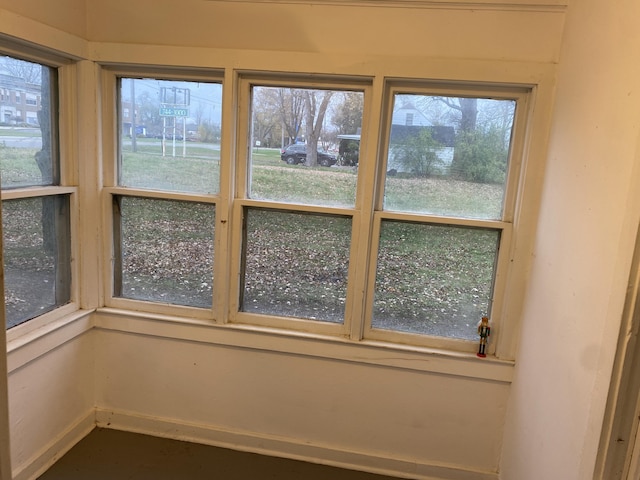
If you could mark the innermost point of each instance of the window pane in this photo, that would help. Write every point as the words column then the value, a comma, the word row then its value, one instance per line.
column 165, row 251
column 27, row 123
column 448, row 155
column 170, row 135
column 295, row 149
column 433, row 280
column 296, row 264
column 36, row 256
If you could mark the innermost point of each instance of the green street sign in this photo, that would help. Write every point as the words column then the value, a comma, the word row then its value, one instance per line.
column 174, row 112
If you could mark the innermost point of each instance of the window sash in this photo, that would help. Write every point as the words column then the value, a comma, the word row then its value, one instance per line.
column 58, row 171
column 367, row 214
column 367, row 218
column 111, row 96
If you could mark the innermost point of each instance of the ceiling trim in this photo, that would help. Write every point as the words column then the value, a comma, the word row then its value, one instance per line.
column 520, row 5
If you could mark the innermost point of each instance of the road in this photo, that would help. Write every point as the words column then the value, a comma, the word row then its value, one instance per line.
column 21, row 142
column 20, row 137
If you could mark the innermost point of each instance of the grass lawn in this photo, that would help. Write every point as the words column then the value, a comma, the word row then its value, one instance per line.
column 431, row 279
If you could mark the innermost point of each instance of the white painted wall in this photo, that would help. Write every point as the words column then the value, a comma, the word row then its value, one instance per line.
column 584, row 246
column 302, row 401
column 51, row 393
column 68, row 16
column 511, row 34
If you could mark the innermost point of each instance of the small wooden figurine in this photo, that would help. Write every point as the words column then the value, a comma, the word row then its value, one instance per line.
column 484, row 330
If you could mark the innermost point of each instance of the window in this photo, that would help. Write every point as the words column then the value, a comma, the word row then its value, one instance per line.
column 165, row 190
column 295, row 205
column 418, row 227
column 296, row 264
column 165, row 250
column 409, row 120
column 325, row 220
column 36, row 208
column 445, row 213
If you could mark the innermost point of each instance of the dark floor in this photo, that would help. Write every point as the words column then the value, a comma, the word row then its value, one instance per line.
column 114, row 455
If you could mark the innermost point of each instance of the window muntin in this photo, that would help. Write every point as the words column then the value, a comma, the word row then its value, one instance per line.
column 295, row 264
column 170, row 135
column 433, row 279
column 37, row 256
column 164, row 250
column 303, row 123
column 28, row 146
column 452, row 160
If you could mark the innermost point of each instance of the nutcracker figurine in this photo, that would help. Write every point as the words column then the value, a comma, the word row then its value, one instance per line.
column 484, row 330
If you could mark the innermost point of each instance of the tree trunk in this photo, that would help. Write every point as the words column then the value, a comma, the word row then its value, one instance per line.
column 314, row 129
column 45, row 163
column 468, row 119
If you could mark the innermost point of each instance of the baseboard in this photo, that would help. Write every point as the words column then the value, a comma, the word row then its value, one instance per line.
column 284, row 447
column 47, row 456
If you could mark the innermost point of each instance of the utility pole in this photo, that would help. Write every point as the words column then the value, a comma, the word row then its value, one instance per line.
column 132, row 113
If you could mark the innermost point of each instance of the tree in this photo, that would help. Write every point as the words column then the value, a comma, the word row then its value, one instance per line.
column 29, row 72
column 316, row 103
column 347, row 114
column 277, row 111
column 44, row 160
column 148, row 110
column 199, row 112
column 291, row 108
column 417, row 153
column 267, row 122
column 467, row 111
column 482, row 155
column 208, row 132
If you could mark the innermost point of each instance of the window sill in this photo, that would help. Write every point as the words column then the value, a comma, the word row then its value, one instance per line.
column 306, row 344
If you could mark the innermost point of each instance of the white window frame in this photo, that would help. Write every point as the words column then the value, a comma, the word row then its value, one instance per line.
column 502, row 288
column 111, row 134
column 65, row 123
column 366, row 214
column 241, row 201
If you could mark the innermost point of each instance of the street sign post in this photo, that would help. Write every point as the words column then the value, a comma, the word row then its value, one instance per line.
column 174, row 104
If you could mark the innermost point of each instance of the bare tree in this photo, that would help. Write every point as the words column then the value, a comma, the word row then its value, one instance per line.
column 29, row 72
column 316, row 103
column 347, row 114
column 267, row 115
column 44, row 159
column 291, row 105
column 467, row 109
column 290, row 109
column 199, row 112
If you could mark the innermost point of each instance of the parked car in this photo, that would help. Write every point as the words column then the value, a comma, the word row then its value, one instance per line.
column 297, row 153
column 349, row 150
